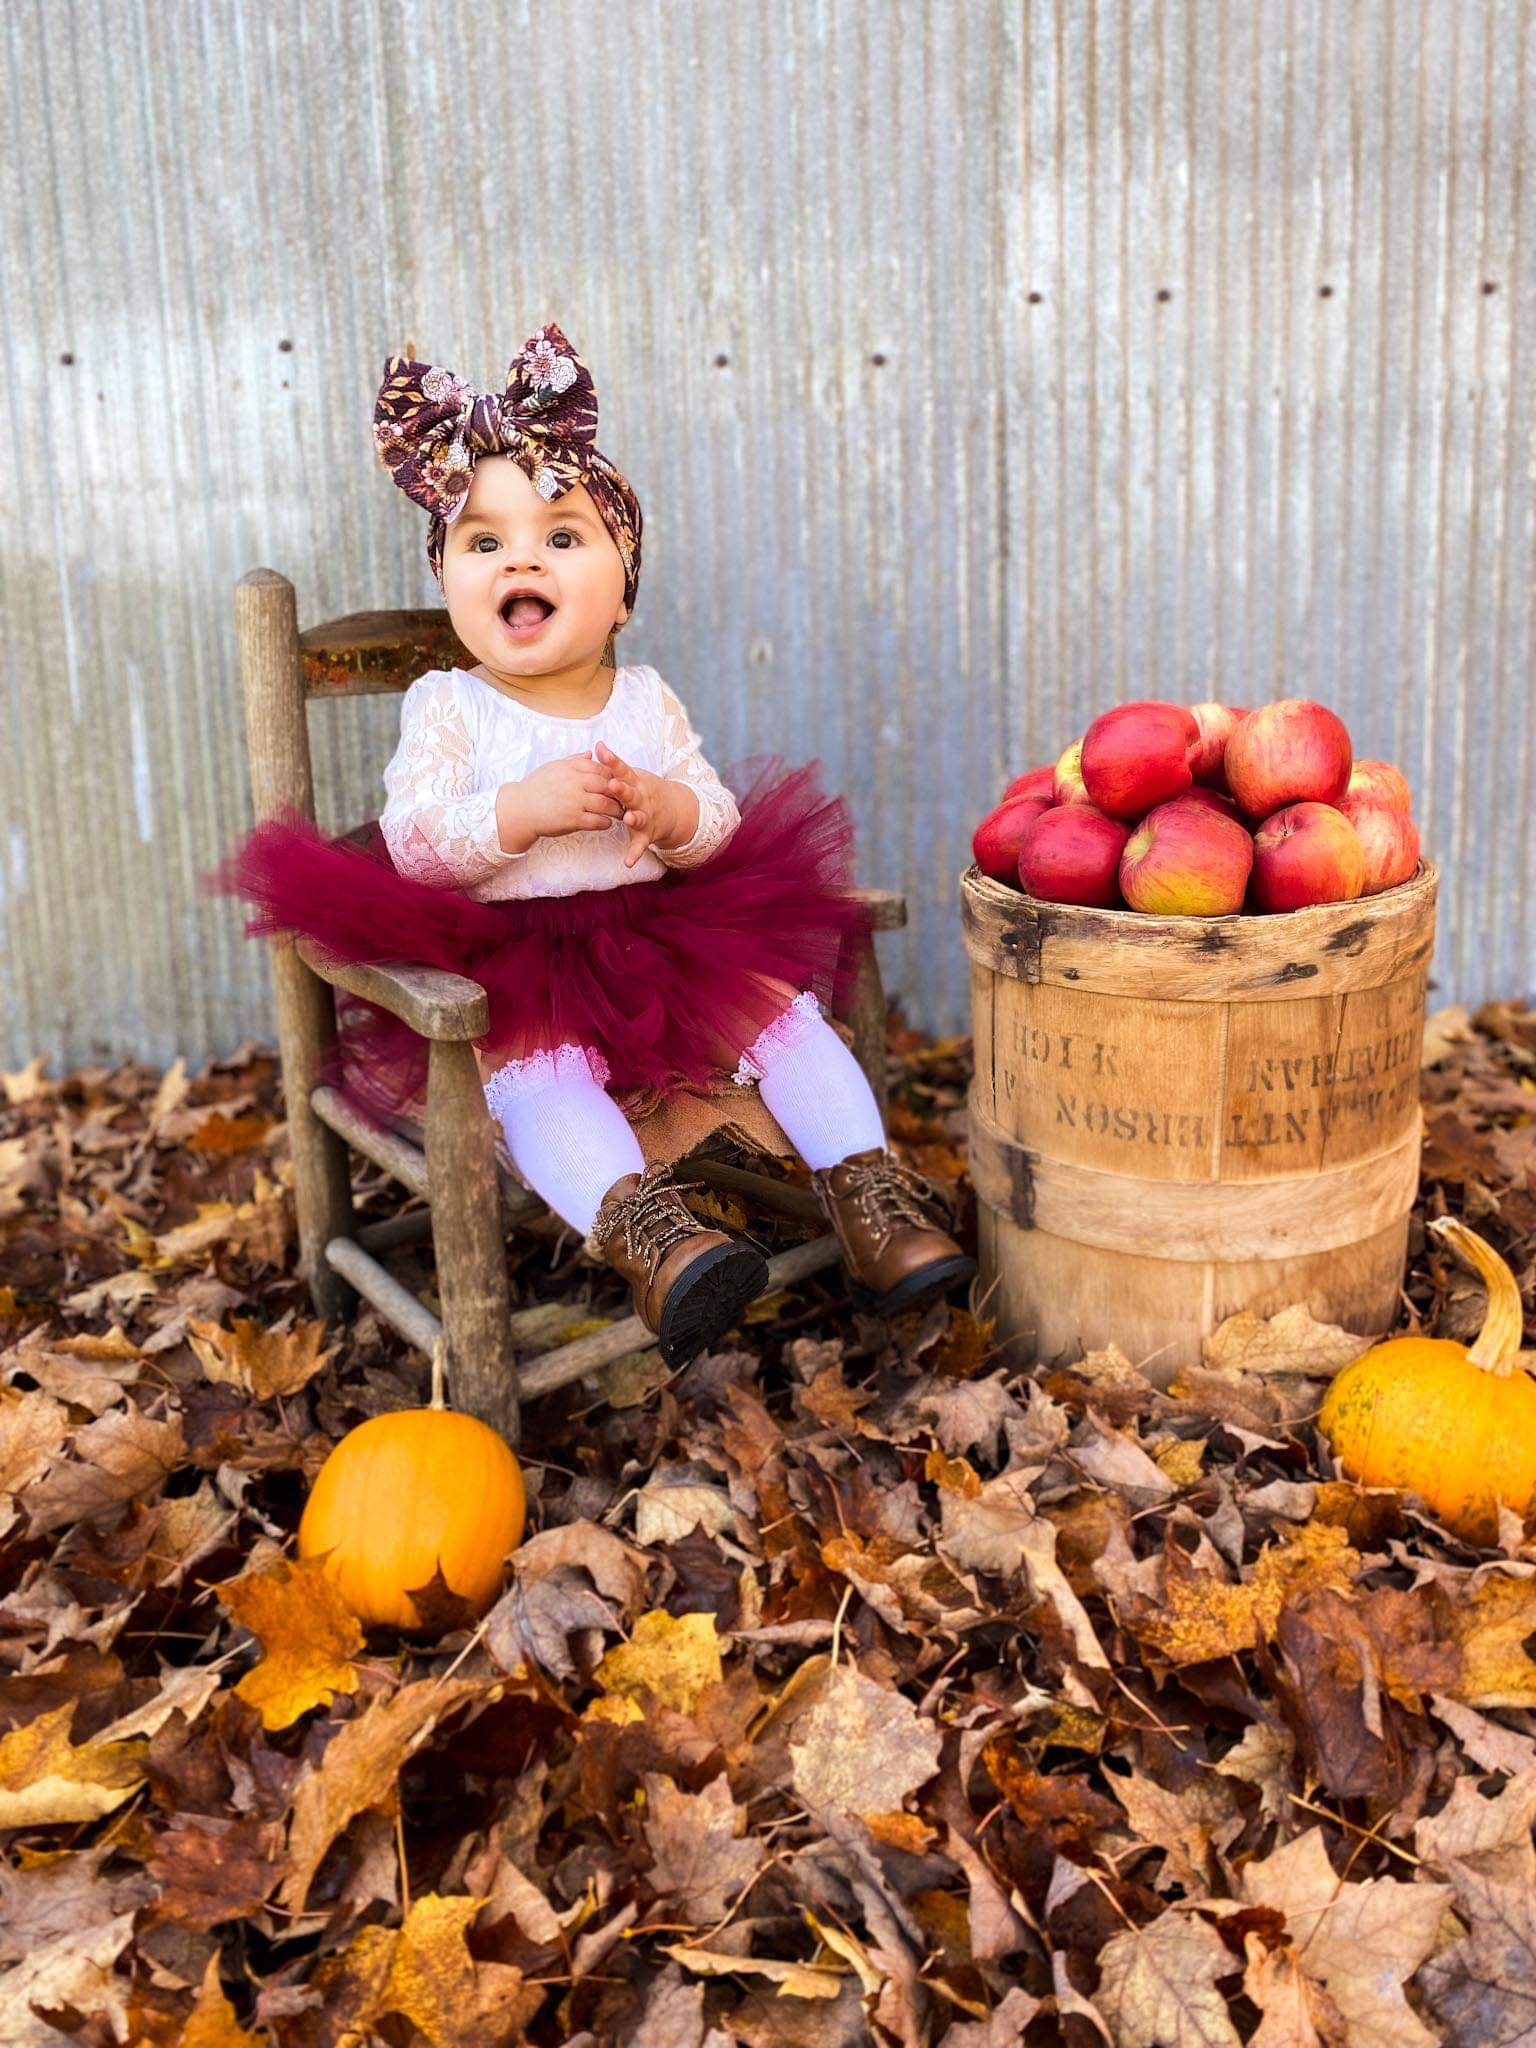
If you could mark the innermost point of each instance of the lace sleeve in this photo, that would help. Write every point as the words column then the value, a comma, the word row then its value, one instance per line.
column 439, row 829
column 683, row 761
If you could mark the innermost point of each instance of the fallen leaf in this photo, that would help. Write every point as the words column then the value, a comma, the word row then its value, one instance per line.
column 575, row 1580
column 1490, row 1836
column 1298, row 2012
column 701, row 1855
column 75, row 1970
column 308, row 1634
column 667, row 1513
column 863, row 1747
column 33, row 1430
column 1360, row 1942
column 1157, row 1985
column 669, row 1659
column 1493, row 1621
column 997, row 1530
column 1182, row 1824
column 266, row 1363
column 1003, row 2027
column 211, row 2022
column 1291, row 1342
column 360, row 1769
column 795, row 1980
column 124, row 1455
column 1205, row 1616
column 44, row 1779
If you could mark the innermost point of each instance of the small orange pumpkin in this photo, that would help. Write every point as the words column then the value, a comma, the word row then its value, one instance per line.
column 410, row 1493
column 1457, row 1426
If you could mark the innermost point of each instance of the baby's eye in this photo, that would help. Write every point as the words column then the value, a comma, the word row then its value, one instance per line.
column 475, row 543
column 573, row 537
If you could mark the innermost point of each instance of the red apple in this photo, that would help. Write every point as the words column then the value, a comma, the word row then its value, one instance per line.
column 996, row 841
column 1072, row 855
column 1306, row 853
column 1069, row 776
column 1038, row 782
column 1186, row 860
column 1216, row 723
column 1138, row 756
column 1289, row 752
column 1213, row 800
column 1381, row 780
column 1389, row 840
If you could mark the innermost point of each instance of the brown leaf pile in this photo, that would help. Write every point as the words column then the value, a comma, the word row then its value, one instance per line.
column 862, row 1682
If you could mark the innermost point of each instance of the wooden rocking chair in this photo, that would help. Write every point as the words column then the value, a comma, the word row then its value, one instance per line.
column 471, row 1194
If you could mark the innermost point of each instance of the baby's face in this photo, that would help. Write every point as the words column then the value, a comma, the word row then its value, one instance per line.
column 508, row 539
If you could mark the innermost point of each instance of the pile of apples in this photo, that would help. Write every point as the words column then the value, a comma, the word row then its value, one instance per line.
column 1199, row 810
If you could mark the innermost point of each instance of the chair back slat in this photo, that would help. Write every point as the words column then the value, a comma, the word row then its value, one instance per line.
column 370, row 652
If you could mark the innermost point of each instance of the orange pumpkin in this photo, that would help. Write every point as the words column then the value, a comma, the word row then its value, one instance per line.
column 1457, row 1426
column 410, row 1493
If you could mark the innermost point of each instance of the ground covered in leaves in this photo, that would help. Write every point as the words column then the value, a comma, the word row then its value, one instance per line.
column 859, row 1683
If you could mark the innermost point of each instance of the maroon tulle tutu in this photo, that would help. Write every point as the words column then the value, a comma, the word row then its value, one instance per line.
column 665, row 978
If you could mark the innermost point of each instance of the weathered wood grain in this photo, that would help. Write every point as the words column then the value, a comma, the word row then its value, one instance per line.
column 1175, row 1118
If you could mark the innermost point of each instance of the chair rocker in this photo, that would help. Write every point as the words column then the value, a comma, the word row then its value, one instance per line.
column 456, row 1157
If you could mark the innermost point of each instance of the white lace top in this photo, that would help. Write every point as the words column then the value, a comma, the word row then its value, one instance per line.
column 460, row 739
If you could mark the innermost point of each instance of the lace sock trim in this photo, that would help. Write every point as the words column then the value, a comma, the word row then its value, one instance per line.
column 787, row 1029
column 519, row 1078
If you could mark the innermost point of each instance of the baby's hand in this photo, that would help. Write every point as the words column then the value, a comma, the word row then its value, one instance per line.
column 646, row 801
column 568, row 795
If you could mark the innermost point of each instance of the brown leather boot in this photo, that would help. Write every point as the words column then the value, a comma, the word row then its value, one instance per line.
column 888, row 1221
column 689, row 1284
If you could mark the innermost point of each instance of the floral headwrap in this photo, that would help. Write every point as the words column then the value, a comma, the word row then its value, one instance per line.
column 429, row 426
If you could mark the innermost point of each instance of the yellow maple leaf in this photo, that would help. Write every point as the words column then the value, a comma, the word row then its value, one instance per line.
column 212, row 2022
column 1181, row 1459
column 308, row 1638
column 670, row 1659
column 1492, row 1624
column 1204, row 1616
column 615, row 1707
column 421, row 1969
column 45, row 1779
column 432, row 1976
column 264, row 1362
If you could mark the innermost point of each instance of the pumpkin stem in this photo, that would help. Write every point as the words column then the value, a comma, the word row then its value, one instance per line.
column 438, row 1363
column 1498, row 1343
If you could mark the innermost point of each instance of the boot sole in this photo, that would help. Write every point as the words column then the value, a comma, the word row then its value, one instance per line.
column 707, row 1299
column 940, row 1276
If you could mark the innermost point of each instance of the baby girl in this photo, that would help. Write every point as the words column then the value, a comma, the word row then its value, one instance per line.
column 554, row 831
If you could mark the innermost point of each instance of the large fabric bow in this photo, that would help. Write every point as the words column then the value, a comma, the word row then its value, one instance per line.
column 429, row 426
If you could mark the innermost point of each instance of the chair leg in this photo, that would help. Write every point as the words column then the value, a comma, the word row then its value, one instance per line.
column 322, row 1179
column 467, row 1238
column 272, row 684
column 866, row 1015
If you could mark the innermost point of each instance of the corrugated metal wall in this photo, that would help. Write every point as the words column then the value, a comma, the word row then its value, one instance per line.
column 976, row 365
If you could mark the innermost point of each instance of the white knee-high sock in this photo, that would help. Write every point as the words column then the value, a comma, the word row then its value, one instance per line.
column 813, row 1085
column 567, row 1136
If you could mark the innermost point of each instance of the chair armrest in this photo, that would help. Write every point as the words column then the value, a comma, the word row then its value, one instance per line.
column 889, row 907
column 435, row 1004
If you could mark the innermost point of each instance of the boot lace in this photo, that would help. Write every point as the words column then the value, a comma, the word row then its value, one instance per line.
column 888, row 1193
column 653, row 1215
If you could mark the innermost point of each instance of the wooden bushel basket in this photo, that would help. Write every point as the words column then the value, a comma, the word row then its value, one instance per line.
column 1174, row 1119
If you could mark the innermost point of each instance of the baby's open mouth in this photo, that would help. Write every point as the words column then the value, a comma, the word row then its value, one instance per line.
column 524, row 612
